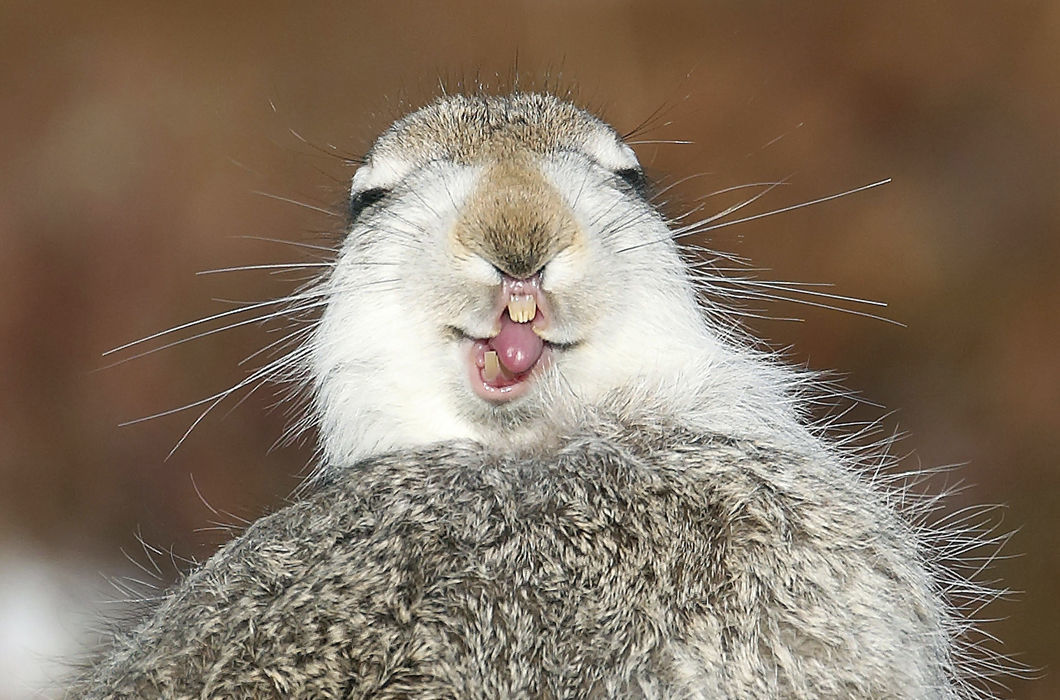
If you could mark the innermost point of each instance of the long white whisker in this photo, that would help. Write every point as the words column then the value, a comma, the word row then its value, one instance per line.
column 729, row 210
column 782, row 210
column 294, row 243
column 297, row 203
column 261, row 375
column 243, row 399
column 796, row 288
column 192, row 427
column 257, row 319
column 275, row 343
column 751, row 294
column 676, row 183
column 660, row 141
column 261, row 372
column 683, row 230
column 224, row 314
column 694, row 229
column 277, row 266
column 745, row 186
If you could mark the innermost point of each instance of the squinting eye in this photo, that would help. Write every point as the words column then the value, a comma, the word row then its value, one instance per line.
column 634, row 177
column 360, row 201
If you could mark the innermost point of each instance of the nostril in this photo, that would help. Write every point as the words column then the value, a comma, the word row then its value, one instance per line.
column 522, row 285
column 510, row 269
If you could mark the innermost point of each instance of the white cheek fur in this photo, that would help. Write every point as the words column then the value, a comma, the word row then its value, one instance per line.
column 382, row 376
column 479, row 271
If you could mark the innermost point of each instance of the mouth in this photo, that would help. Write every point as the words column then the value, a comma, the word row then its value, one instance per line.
column 502, row 367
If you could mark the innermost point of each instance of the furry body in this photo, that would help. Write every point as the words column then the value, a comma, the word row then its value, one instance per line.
column 676, row 566
column 652, row 515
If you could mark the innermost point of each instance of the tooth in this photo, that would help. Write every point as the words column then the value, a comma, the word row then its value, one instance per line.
column 522, row 308
column 492, row 367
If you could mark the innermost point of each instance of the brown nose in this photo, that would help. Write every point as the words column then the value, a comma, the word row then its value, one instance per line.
column 521, row 287
column 515, row 218
column 519, row 255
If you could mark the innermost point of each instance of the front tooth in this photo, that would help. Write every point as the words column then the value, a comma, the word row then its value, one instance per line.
column 491, row 368
column 522, row 309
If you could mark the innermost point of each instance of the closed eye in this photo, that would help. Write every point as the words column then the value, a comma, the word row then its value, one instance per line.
column 359, row 201
column 635, row 180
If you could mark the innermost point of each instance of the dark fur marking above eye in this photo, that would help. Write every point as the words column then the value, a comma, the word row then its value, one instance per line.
column 359, row 201
column 634, row 178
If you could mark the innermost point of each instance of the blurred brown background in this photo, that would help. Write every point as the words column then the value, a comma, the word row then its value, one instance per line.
column 134, row 136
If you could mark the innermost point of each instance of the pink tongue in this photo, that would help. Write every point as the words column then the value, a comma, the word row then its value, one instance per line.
column 517, row 346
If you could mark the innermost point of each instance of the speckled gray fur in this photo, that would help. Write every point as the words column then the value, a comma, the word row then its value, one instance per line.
column 672, row 566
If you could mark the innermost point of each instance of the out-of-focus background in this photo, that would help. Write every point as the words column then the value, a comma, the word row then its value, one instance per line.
column 135, row 138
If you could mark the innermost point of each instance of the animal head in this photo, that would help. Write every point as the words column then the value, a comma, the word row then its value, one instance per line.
column 502, row 271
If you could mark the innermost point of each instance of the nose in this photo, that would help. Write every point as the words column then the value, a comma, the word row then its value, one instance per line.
column 530, row 284
column 515, row 218
column 520, row 254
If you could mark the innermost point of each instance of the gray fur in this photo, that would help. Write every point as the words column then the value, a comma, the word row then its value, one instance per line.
column 636, row 561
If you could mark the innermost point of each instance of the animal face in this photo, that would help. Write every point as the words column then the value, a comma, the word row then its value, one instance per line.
column 502, row 269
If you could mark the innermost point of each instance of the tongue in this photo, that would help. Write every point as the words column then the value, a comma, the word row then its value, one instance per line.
column 517, row 346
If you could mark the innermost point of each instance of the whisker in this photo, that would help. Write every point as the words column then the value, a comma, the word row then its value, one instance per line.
column 346, row 158
column 299, row 244
column 745, row 186
column 679, row 181
column 213, row 331
column 277, row 266
column 695, row 229
column 297, row 203
column 751, row 294
column 259, row 376
column 245, row 397
column 684, row 215
column 275, row 343
column 794, row 287
column 683, row 231
column 660, row 141
column 214, row 317
column 782, row 210
column 777, row 138
column 254, row 376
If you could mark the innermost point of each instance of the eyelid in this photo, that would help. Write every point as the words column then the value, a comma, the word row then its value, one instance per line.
column 635, row 178
column 359, row 201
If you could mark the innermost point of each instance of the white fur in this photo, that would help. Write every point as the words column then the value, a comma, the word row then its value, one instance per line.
column 384, row 378
column 608, row 151
column 384, row 172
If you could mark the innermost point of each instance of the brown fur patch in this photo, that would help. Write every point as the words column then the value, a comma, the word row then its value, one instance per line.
column 464, row 129
column 515, row 218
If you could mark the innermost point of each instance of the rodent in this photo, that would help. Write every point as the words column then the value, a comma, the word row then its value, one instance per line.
column 545, row 469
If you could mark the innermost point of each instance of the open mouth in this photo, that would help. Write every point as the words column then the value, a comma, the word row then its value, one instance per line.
column 502, row 366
